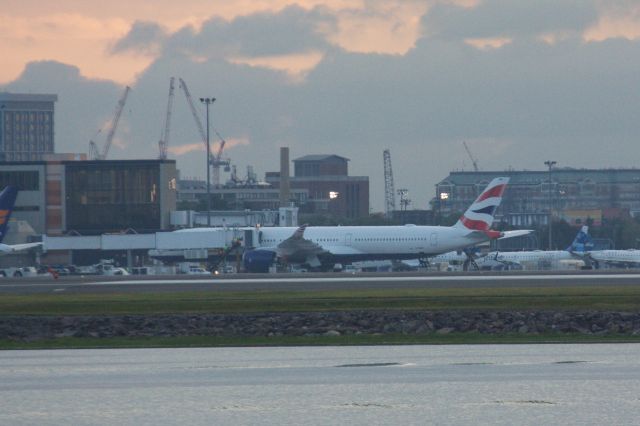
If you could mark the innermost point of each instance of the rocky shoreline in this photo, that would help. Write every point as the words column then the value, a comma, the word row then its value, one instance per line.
column 32, row 328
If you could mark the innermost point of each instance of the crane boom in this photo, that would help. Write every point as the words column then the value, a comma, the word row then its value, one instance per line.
column 194, row 112
column 389, row 192
column 163, row 144
column 473, row 160
column 114, row 125
column 216, row 159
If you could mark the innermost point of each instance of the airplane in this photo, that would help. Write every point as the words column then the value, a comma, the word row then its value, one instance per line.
column 621, row 258
column 323, row 246
column 581, row 245
column 7, row 200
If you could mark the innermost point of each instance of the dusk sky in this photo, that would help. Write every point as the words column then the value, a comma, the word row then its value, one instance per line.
column 520, row 81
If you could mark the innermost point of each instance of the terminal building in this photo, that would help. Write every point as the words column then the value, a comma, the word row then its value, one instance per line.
column 92, row 197
column 575, row 195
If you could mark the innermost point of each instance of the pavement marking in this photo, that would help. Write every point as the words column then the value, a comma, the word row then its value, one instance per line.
column 373, row 279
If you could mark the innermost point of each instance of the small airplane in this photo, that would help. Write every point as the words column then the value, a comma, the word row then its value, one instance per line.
column 7, row 201
column 324, row 246
column 580, row 246
column 618, row 258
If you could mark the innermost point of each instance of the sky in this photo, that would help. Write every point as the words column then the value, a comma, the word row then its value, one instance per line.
column 521, row 82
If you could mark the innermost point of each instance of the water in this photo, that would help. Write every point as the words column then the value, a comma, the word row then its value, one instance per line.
column 377, row 385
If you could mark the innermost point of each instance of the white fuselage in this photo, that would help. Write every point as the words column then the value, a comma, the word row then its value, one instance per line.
column 382, row 242
column 616, row 256
column 529, row 256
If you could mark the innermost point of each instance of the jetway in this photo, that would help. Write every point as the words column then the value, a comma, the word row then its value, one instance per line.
column 187, row 244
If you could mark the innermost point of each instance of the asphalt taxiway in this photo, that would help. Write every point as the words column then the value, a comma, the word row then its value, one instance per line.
column 309, row 282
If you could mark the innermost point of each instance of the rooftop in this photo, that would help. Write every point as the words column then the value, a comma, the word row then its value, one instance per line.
column 320, row 157
column 565, row 174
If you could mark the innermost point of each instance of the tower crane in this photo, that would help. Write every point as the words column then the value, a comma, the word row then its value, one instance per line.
column 216, row 159
column 473, row 160
column 163, row 143
column 94, row 152
column 389, row 192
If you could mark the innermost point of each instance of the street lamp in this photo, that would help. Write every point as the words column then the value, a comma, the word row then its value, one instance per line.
column 207, row 102
column 550, row 164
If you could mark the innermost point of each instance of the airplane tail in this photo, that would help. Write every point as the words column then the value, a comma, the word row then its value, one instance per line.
column 582, row 242
column 479, row 216
column 7, row 200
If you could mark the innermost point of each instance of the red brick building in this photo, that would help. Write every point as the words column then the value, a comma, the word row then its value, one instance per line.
column 331, row 189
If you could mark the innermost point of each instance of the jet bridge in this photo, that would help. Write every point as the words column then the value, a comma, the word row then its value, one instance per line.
column 187, row 244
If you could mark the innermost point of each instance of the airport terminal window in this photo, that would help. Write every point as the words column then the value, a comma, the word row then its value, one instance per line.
column 23, row 180
column 113, row 198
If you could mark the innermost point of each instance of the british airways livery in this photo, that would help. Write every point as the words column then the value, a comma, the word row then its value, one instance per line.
column 323, row 246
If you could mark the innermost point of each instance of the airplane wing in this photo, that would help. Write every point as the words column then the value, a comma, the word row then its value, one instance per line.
column 297, row 249
column 516, row 233
column 12, row 248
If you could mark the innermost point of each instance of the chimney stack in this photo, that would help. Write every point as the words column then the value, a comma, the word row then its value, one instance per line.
column 285, row 183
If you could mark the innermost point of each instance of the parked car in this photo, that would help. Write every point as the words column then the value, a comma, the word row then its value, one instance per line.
column 22, row 271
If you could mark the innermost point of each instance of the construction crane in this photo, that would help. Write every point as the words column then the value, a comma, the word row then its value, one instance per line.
column 473, row 160
column 163, row 143
column 216, row 159
column 389, row 192
column 94, row 152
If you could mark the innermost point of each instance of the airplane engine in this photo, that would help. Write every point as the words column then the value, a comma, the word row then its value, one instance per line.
column 258, row 260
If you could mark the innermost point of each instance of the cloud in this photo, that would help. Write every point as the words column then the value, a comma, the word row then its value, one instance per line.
column 619, row 19
column 144, row 38
column 516, row 105
column 507, row 18
column 200, row 146
column 291, row 31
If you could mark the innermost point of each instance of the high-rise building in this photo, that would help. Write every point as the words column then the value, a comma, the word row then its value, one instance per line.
column 26, row 126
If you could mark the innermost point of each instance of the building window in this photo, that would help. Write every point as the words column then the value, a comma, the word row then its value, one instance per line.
column 23, row 180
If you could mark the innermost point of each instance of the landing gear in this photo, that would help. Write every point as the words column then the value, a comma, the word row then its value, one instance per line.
column 423, row 260
column 470, row 261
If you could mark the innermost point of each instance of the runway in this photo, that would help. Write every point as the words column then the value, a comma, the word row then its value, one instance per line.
column 309, row 282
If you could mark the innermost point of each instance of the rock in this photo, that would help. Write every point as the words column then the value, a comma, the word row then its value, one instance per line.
column 332, row 333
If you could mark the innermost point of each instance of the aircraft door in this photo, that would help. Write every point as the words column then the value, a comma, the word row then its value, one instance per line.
column 434, row 239
column 248, row 238
column 347, row 239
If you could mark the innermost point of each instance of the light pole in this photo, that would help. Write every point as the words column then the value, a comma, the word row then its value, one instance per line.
column 550, row 164
column 207, row 102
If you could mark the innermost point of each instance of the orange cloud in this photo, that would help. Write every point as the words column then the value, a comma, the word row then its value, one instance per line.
column 296, row 66
column 80, row 33
column 68, row 38
column 199, row 146
column 488, row 43
column 387, row 27
column 615, row 27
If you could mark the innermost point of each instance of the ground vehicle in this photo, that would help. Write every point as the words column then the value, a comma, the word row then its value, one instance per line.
column 22, row 271
column 196, row 270
column 191, row 268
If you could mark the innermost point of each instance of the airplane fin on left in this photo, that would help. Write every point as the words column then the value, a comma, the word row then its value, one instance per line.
column 7, row 201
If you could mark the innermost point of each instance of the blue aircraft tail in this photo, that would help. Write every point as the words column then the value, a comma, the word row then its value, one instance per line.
column 582, row 242
column 7, row 200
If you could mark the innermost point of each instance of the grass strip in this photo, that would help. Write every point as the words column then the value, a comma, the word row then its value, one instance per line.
column 347, row 340
column 587, row 298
